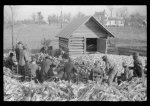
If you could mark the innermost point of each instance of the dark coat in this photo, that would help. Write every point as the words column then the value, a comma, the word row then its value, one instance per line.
column 68, row 70
column 45, row 69
column 17, row 51
column 138, row 68
column 9, row 62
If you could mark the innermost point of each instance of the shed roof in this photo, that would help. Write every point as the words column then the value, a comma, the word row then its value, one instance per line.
column 76, row 23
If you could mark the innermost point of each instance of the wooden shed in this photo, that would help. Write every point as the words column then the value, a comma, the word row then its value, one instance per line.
column 84, row 35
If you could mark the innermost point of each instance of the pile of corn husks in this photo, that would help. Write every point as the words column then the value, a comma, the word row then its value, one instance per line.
column 135, row 90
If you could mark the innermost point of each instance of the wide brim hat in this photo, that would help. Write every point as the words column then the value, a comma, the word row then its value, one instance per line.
column 104, row 57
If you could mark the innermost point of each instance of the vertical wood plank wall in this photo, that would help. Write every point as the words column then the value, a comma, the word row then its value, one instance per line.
column 101, row 45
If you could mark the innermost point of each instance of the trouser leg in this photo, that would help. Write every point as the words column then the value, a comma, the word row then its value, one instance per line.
column 111, row 78
column 139, row 71
column 22, row 72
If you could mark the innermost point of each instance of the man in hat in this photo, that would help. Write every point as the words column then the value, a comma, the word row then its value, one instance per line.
column 23, row 62
column 138, row 67
column 111, row 69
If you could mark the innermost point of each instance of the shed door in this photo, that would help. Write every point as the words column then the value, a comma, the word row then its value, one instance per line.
column 101, row 45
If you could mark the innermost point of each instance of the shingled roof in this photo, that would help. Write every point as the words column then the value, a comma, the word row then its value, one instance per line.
column 76, row 23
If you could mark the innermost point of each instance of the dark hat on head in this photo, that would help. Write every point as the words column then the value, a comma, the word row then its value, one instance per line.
column 136, row 54
column 11, row 54
column 20, row 42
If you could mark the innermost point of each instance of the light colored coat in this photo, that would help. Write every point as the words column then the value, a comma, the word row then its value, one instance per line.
column 23, row 57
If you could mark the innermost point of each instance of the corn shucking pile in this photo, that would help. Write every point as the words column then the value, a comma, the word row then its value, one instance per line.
column 134, row 90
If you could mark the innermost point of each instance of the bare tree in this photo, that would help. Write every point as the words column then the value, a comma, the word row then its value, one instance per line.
column 122, row 12
column 111, row 9
column 39, row 17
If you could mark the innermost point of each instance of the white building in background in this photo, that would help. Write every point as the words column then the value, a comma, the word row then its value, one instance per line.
column 109, row 21
column 113, row 21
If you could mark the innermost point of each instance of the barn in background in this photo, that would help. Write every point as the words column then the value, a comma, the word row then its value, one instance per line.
column 84, row 35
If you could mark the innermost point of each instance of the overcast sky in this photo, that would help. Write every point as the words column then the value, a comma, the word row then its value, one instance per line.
column 25, row 11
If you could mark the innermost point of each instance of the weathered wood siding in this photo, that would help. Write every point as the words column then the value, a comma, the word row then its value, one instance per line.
column 102, row 45
column 63, row 43
column 76, row 44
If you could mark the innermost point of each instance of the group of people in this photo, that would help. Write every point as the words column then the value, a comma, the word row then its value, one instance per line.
column 47, row 69
column 111, row 73
column 27, row 65
column 138, row 70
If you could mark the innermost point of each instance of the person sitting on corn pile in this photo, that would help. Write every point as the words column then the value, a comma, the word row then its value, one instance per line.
column 33, row 68
column 23, row 62
column 10, row 61
column 111, row 69
column 138, row 67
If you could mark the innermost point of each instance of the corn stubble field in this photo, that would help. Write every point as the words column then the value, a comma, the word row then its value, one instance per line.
column 134, row 90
